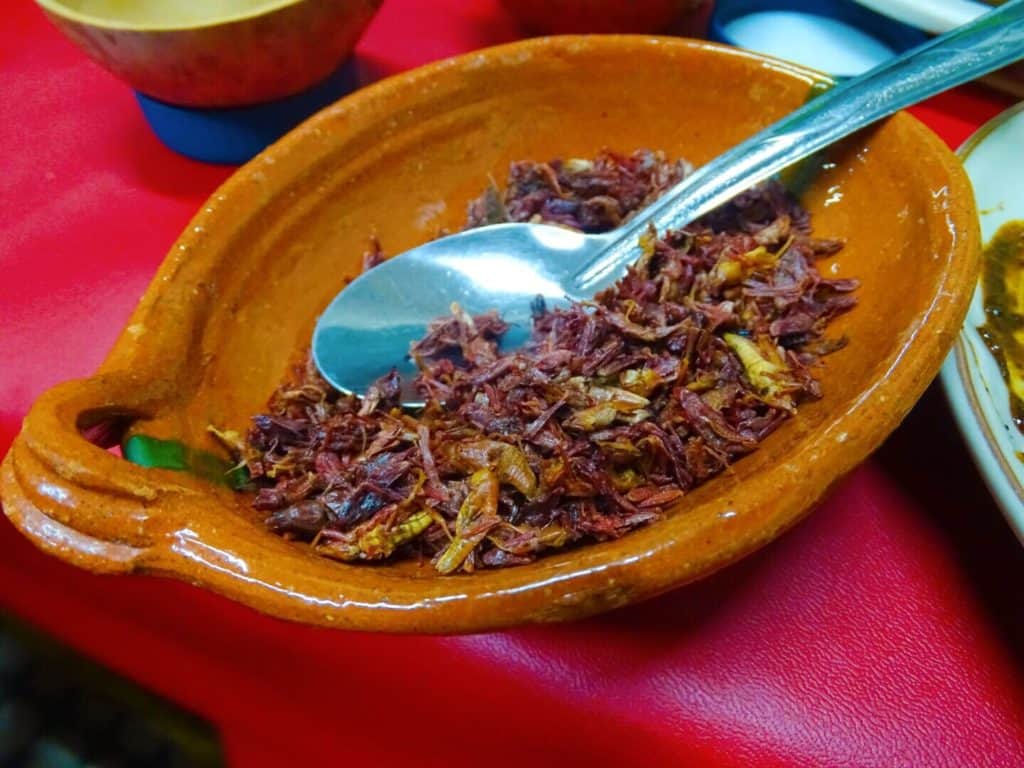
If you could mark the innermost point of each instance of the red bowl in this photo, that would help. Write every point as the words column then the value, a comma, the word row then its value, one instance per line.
column 555, row 17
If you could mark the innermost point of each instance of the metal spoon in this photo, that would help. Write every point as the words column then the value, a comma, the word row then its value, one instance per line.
column 367, row 329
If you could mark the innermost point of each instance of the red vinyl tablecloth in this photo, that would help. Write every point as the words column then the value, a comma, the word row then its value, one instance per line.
column 886, row 630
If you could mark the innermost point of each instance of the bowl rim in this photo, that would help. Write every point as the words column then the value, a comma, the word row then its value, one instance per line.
column 588, row 580
column 58, row 8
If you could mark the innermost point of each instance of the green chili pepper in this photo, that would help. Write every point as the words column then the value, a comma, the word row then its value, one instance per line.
column 172, row 454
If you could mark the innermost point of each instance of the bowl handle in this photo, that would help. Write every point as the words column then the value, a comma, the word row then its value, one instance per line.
column 73, row 498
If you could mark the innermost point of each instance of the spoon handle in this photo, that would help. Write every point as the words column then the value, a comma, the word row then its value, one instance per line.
column 981, row 46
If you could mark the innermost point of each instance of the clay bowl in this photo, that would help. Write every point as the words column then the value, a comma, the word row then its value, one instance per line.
column 235, row 302
column 236, row 53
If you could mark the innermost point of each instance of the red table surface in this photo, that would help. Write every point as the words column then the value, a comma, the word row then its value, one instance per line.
column 886, row 630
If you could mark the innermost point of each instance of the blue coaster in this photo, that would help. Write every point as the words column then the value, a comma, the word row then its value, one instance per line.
column 849, row 34
column 235, row 134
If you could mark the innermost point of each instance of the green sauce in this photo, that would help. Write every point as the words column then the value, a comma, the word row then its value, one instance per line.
column 1002, row 286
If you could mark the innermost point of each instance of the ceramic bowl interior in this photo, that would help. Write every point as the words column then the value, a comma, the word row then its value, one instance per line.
column 234, row 304
column 971, row 375
column 226, row 53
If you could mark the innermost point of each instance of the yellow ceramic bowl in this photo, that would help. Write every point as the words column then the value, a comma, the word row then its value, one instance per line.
column 215, row 53
column 235, row 302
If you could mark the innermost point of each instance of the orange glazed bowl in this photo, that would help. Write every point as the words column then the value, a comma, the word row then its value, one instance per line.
column 235, row 301
column 226, row 54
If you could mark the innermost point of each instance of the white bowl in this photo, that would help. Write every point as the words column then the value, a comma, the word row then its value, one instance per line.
column 994, row 159
column 929, row 15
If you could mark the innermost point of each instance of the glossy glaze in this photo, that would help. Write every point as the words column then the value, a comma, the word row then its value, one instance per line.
column 271, row 50
column 237, row 297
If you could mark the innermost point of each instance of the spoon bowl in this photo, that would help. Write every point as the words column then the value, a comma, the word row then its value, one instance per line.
column 383, row 310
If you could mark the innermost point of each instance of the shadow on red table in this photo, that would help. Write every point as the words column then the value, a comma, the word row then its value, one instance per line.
column 921, row 455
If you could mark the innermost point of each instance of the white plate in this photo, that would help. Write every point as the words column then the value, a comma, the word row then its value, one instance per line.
column 935, row 16
column 994, row 159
